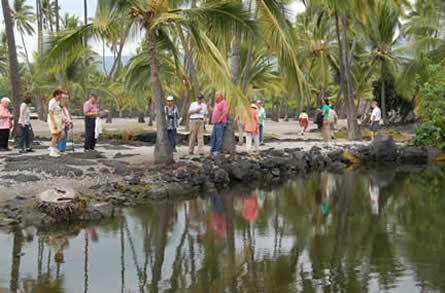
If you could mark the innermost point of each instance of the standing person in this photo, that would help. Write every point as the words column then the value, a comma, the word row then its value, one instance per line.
column 304, row 122
column 325, row 114
column 55, row 122
column 172, row 117
column 25, row 126
column 5, row 124
column 332, row 121
column 376, row 116
column 198, row 118
column 261, row 117
column 91, row 112
column 219, row 120
column 251, row 129
column 61, row 146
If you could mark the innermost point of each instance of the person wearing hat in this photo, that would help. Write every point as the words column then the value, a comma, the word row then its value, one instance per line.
column 55, row 122
column 251, row 129
column 198, row 116
column 91, row 112
column 171, row 117
column 261, row 117
column 5, row 123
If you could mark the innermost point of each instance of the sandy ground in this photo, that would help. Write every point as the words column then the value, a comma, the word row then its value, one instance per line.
column 142, row 156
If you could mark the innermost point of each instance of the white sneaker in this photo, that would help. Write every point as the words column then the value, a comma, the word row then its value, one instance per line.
column 53, row 153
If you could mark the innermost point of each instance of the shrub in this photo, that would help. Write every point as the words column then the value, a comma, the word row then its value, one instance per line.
column 432, row 109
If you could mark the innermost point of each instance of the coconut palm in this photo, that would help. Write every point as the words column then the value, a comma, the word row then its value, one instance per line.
column 382, row 28
column 13, row 63
column 23, row 17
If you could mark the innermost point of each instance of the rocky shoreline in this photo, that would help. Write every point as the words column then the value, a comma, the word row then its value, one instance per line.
column 121, row 185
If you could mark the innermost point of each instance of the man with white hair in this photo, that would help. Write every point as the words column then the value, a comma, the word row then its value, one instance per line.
column 219, row 120
column 5, row 123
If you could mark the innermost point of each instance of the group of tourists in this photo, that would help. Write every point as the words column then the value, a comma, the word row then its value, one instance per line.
column 198, row 116
column 59, row 122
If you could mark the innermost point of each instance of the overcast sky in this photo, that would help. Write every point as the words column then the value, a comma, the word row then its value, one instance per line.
column 75, row 7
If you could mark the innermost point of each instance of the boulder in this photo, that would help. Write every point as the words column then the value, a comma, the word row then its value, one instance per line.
column 241, row 170
column 220, row 176
column 273, row 162
column 416, row 155
column 383, row 149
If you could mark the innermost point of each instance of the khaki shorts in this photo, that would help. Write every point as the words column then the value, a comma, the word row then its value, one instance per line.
column 57, row 128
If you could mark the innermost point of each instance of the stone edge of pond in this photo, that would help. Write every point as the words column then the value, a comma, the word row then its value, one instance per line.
column 198, row 176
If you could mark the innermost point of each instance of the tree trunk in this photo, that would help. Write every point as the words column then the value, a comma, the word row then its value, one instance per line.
column 383, row 101
column 345, row 71
column 110, row 113
column 229, row 140
column 121, row 113
column 13, row 65
column 188, row 56
column 57, row 16
column 16, row 255
column 286, row 108
column 162, row 152
column 85, row 11
column 150, row 113
column 39, row 26
column 26, row 51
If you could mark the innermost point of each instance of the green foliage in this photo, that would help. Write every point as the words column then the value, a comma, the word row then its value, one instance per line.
column 432, row 109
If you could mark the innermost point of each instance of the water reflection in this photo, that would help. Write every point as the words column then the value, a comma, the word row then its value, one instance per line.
column 350, row 232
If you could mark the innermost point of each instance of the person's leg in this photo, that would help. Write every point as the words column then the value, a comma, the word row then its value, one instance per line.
column 325, row 130
column 192, row 137
column 28, row 137
column 213, row 140
column 219, row 136
column 4, row 138
column 248, row 141
column 170, row 138
column 200, row 134
column 87, row 144
column 256, row 140
column 61, row 146
column 22, row 138
column 93, row 134
column 261, row 134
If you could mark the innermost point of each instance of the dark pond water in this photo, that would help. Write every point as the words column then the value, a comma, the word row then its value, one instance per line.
column 366, row 231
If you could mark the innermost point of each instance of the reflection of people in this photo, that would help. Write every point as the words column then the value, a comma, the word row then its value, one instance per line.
column 250, row 208
column 374, row 192
column 218, row 217
column 91, row 230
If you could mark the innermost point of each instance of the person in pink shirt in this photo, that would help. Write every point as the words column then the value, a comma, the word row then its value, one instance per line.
column 91, row 112
column 252, row 130
column 219, row 120
column 5, row 124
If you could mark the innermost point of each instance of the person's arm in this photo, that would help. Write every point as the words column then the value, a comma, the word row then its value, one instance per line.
column 224, row 114
column 372, row 118
column 210, row 107
column 190, row 112
column 22, row 116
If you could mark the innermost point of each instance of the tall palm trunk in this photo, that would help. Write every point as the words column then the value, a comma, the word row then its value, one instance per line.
column 163, row 152
column 188, row 56
column 39, row 26
column 382, row 80
column 26, row 51
column 345, row 72
column 229, row 141
column 85, row 11
column 13, row 64
column 57, row 16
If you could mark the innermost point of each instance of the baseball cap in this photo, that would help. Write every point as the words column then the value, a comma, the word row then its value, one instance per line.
column 200, row 96
column 170, row 98
column 93, row 94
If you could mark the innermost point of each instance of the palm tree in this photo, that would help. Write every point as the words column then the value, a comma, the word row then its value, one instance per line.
column 156, row 19
column 382, row 29
column 13, row 63
column 23, row 17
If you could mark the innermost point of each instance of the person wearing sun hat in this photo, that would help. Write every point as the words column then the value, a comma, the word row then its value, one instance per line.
column 5, row 123
column 198, row 117
column 171, row 117
column 252, row 129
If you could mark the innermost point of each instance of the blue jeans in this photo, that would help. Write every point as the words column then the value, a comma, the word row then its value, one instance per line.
column 217, row 137
column 61, row 146
column 172, row 138
column 261, row 133
column 24, row 138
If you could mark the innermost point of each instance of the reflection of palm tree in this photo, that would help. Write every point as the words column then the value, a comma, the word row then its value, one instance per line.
column 86, row 264
column 16, row 256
